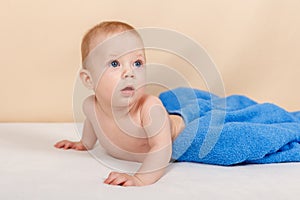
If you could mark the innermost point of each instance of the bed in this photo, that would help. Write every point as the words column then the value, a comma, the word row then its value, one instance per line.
column 31, row 168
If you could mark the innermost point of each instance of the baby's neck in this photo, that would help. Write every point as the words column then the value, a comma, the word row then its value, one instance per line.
column 114, row 112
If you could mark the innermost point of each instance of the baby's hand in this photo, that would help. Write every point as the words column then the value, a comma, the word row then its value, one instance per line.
column 66, row 144
column 123, row 179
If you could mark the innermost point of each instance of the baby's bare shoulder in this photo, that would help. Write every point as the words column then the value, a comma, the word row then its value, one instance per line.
column 88, row 105
column 150, row 104
column 149, row 100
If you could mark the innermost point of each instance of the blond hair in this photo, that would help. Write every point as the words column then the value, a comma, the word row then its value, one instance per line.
column 106, row 27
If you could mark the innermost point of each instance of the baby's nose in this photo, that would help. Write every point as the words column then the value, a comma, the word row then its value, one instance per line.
column 129, row 75
column 128, row 72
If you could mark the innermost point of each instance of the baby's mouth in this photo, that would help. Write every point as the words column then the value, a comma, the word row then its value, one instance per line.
column 128, row 90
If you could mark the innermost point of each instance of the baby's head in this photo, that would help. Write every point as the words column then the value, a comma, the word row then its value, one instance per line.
column 113, row 58
column 101, row 32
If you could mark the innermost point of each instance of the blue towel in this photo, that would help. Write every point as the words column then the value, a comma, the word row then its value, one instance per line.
column 232, row 130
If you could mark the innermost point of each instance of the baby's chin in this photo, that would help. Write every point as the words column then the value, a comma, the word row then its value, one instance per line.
column 128, row 99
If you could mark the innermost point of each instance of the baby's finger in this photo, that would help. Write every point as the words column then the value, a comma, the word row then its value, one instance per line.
column 128, row 183
column 68, row 146
column 119, row 180
column 59, row 144
column 112, row 176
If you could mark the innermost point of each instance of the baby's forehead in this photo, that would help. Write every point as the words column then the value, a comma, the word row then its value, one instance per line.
column 107, row 45
column 117, row 43
column 118, row 39
column 135, row 54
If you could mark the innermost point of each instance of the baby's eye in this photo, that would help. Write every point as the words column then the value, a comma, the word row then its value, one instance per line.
column 138, row 63
column 114, row 63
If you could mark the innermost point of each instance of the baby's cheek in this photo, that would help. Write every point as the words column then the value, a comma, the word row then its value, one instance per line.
column 106, row 83
column 104, row 92
column 141, row 75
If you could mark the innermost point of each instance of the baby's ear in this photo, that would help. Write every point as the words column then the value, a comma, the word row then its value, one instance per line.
column 86, row 78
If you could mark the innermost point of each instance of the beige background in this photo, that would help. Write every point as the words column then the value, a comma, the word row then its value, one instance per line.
column 255, row 45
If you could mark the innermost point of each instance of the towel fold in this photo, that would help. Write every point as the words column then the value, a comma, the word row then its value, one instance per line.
column 232, row 130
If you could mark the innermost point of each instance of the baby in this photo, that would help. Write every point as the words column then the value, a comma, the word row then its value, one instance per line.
column 134, row 126
column 128, row 123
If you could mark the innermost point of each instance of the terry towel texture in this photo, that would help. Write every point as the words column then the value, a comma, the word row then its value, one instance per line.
column 240, row 131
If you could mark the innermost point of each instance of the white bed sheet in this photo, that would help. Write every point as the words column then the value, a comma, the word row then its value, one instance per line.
column 31, row 168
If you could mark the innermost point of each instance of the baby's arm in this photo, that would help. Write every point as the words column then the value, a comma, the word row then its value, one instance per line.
column 87, row 141
column 157, row 126
column 155, row 163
